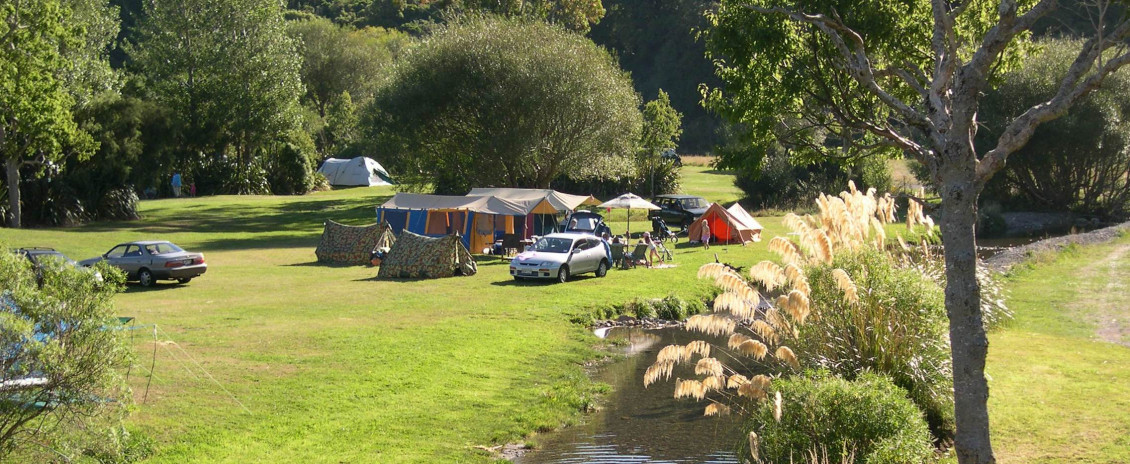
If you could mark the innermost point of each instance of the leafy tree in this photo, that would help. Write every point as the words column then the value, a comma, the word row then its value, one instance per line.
column 341, row 124
column 228, row 70
column 662, row 126
column 63, row 361
column 488, row 101
column 338, row 59
column 409, row 15
column 36, row 124
column 836, row 79
column 1080, row 162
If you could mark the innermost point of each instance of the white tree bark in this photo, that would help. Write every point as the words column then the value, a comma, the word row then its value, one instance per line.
column 946, row 117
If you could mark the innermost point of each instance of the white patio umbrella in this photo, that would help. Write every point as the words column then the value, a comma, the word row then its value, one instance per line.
column 628, row 201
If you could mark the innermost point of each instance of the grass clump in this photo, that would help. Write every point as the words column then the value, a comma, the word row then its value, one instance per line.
column 825, row 418
column 896, row 326
column 671, row 307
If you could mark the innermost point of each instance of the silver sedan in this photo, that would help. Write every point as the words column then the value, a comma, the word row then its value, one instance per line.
column 150, row 261
column 559, row 256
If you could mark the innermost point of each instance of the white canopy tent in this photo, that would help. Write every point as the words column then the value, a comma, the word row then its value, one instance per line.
column 357, row 171
column 629, row 200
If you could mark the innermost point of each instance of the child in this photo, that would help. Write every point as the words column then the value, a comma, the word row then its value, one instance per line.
column 706, row 234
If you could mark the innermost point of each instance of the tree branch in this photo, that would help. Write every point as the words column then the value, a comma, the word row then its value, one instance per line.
column 1070, row 90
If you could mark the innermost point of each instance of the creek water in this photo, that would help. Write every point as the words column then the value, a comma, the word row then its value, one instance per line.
column 641, row 425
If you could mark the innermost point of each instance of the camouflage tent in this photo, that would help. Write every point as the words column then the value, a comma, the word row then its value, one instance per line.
column 342, row 244
column 417, row 256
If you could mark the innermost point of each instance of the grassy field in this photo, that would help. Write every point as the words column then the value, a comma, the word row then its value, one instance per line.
column 325, row 364
column 1060, row 388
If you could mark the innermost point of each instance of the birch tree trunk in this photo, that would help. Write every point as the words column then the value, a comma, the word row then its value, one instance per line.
column 968, row 343
column 12, row 166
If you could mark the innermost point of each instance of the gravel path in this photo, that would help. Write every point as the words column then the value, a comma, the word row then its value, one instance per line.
column 1004, row 261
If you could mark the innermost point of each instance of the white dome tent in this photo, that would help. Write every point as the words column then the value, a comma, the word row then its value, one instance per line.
column 357, row 171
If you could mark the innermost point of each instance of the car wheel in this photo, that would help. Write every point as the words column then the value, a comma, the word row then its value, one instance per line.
column 602, row 268
column 185, row 280
column 145, row 278
column 563, row 274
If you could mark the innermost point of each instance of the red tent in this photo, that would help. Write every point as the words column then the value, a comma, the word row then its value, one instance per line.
column 729, row 226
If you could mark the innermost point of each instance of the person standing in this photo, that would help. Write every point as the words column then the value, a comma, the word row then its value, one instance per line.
column 706, row 234
column 176, row 184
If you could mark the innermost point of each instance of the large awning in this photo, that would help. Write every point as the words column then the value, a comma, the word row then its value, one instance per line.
column 441, row 203
column 532, row 199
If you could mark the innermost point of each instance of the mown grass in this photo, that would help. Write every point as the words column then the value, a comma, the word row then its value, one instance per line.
column 334, row 366
column 1059, row 394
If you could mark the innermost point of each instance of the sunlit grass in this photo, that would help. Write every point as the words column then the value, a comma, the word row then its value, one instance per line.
column 333, row 366
column 1057, row 393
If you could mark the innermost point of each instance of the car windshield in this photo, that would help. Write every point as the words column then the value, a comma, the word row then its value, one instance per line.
column 553, row 245
column 582, row 223
column 693, row 203
column 162, row 248
column 53, row 255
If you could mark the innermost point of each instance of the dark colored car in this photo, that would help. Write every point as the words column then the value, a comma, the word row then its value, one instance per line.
column 150, row 261
column 39, row 255
column 679, row 210
column 670, row 155
column 585, row 222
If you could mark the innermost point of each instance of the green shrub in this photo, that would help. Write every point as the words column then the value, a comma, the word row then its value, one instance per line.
column 870, row 419
column 898, row 329
column 671, row 308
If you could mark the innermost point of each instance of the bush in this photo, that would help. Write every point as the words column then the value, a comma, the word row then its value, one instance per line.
column 779, row 183
column 869, row 419
column 671, row 307
column 912, row 349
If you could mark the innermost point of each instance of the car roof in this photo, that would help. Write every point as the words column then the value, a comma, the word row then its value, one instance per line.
column 570, row 235
column 587, row 213
column 677, row 196
column 144, row 242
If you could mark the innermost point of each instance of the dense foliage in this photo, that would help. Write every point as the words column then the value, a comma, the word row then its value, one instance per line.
column 420, row 15
column 230, row 76
column 63, row 364
column 44, row 50
column 781, row 182
column 912, row 349
column 824, row 418
column 657, row 41
column 497, row 102
column 1079, row 162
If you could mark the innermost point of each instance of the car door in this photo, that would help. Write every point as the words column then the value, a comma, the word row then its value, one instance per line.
column 130, row 261
column 595, row 252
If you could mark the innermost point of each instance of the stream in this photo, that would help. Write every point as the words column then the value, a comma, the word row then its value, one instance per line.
column 638, row 425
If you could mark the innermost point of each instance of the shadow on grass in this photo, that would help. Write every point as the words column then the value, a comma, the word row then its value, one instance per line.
column 330, row 265
column 528, row 282
column 305, row 215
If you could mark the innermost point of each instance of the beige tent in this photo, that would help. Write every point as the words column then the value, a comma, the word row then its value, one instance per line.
column 726, row 226
column 537, row 201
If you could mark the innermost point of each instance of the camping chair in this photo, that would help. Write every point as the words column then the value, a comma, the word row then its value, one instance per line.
column 639, row 254
column 619, row 258
column 511, row 243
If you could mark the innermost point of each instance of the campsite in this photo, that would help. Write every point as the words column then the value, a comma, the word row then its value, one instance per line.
column 276, row 357
column 562, row 231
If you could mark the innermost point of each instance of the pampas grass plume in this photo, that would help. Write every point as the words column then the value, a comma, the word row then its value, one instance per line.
column 716, row 409
column 754, row 348
column 786, row 355
column 708, row 366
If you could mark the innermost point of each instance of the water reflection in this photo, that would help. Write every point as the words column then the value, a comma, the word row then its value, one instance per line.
column 638, row 425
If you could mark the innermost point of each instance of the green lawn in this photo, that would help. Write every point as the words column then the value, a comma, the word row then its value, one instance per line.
column 334, row 366
column 1060, row 393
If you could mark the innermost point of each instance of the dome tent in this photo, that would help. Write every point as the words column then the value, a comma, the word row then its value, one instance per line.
column 357, row 171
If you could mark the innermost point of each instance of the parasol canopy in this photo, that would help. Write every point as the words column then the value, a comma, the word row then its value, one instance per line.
column 628, row 201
